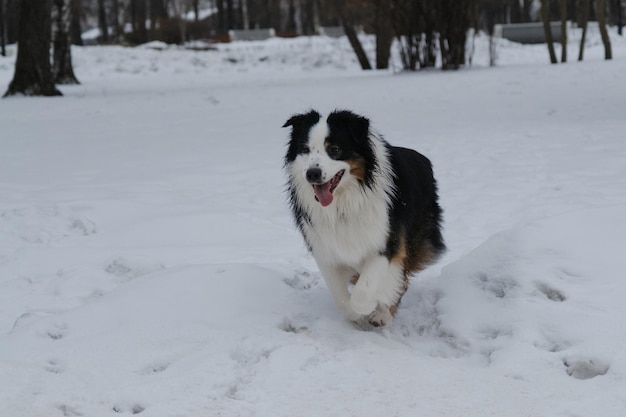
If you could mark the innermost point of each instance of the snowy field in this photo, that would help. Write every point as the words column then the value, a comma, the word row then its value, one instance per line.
column 149, row 264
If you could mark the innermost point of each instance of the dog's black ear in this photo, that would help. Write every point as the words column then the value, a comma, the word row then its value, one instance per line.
column 292, row 120
column 358, row 126
column 301, row 120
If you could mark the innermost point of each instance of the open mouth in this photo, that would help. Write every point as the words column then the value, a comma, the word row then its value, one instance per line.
column 324, row 192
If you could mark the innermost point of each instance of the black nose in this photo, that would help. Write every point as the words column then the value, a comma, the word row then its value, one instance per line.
column 314, row 175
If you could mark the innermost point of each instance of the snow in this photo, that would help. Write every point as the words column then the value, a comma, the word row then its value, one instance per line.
column 149, row 264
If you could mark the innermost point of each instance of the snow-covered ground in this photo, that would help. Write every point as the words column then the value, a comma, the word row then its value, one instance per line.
column 148, row 263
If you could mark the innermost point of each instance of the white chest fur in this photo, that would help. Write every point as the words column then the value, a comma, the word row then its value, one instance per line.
column 354, row 227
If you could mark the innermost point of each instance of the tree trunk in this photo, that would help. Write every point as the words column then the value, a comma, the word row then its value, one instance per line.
column 563, row 10
column 221, row 17
column 620, row 22
column 102, row 22
column 11, row 19
column 384, row 33
column 547, row 30
column 75, row 27
column 62, row 56
column 292, row 27
column 3, row 40
column 117, row 28
column 490, row 21
column 157, row 13
column 408, row 31
column 307, row 13
column 585, row 19
column 196, row 10
column 600, row 12
column 356, row 45
column 527, row 6
column 245, row 20
column 230, row 13
column 141, row 15
column 453, row 23
column 33, row 73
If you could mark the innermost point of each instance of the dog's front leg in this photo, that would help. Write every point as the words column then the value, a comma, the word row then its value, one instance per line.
column 337, row 279
column 380, row 284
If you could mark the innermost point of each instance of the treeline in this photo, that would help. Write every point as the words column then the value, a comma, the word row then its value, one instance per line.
column 428, row 32
column 426, row 29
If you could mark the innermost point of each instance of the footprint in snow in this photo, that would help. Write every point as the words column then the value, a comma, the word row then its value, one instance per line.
column 68, row 410
column 57, row 331
column 290, row 325
column 500, row 286
column 127, row 268
column 155, row 368
column 550, row 292
column 83, row 226
column 585, row 368
column 128, row 408
column 302, row 280
column 53, row 366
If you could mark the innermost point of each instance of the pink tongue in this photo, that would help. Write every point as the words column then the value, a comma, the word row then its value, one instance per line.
column 323, row 194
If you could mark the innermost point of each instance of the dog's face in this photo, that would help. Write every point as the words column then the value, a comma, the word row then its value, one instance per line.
column 329, row 153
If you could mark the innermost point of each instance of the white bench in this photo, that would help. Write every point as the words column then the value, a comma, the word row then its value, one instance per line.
column 527, row 32
column 251, row 34
column 332, row 31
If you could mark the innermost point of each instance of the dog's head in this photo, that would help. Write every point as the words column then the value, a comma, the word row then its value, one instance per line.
column 329, row 152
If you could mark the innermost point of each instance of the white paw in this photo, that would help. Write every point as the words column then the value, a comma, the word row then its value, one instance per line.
column 381, row 317
column 362, row 301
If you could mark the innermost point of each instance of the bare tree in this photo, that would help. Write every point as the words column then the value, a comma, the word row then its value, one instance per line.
column 547, row 30
column 11, row 20
column 180, row 8
column 384, row 32
column 600, row 12
column 196, row 10
column 586, row 5
column 3, row 40
column 356, row 44
column 243, row 12
column 33, row 72
column 308, row 13
column 620, row 22
column 409, row 28
column 62, row 56
column 292, row 27
column 563, row 11
column 221, row 17
column 230, row 14
column 75, row 26
column 115, row 14
column 489, row 22
column 158, row 13
column 453, row 22
column 102, row 22
column 346, row 10
column 139, row 15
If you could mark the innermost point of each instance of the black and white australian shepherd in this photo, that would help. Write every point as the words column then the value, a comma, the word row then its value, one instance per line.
column 368, row 211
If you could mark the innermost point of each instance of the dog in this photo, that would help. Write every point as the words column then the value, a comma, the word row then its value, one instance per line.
column 368, row 211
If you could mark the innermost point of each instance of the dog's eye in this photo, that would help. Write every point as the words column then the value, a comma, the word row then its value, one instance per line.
column 305, row 149
column 334, row 151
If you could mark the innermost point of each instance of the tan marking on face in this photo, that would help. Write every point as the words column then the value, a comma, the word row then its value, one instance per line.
column 357, row 168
